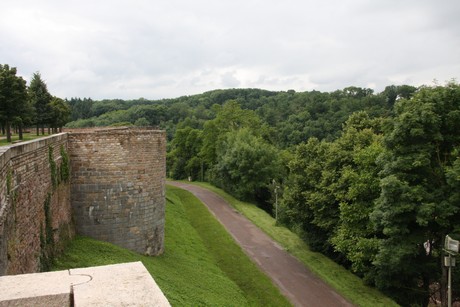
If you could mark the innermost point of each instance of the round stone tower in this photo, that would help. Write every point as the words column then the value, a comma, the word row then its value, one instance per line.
column 118, row 186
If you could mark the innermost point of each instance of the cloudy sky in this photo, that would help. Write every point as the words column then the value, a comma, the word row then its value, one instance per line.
column 169, row 48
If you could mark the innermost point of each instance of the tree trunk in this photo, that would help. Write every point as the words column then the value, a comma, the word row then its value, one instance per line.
column 8, row 132
column 49, row 130
column 20, row 131
column 426, row 288
column 43, row 129
column 443, row 283
column 38, row 130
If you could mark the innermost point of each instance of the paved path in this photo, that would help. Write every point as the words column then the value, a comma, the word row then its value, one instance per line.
column 297, row 283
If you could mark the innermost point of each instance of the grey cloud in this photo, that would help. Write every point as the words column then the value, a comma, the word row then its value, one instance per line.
column 109, row 49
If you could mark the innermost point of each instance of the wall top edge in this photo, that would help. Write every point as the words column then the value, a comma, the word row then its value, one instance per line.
column 10, row 151
column 113, row 129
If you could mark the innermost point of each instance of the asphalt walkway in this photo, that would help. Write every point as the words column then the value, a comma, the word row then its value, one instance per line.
column 294, row 280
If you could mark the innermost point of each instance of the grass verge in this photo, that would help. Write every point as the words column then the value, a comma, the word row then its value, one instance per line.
column 201, row 265
column 346, row 283
column 15, row 137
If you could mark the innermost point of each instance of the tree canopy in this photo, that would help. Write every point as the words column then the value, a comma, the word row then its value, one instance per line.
column 13, row 98
column 22, row 105
column 370, row 179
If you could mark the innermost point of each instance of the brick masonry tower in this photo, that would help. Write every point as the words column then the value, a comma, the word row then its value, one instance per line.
column 118, row 186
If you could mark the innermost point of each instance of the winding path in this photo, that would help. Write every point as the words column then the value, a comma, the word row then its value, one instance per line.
column 295, row 281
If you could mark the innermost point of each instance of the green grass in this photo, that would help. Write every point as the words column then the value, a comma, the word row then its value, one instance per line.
column 201, row 265
column 346, row 283
column 15, row 137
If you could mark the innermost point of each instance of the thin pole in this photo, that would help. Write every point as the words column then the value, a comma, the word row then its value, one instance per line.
column 449, row 281
column 276, row 205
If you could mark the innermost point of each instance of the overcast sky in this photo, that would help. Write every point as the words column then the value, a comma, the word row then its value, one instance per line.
column 164, row 49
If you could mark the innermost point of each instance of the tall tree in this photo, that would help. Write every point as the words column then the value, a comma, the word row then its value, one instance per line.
column 59, row 113
column 184, row 157
column 13, row 97
column 40, row 99
column 230, row 117
column 246, row 165
column 418, row 204
column 357, row 188
column 302, row 193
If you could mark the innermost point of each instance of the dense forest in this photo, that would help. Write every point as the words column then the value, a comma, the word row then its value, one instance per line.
column 370, row 179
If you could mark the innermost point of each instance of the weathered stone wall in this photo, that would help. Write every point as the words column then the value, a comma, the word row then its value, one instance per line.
column 35, row 213
column 118, row 186
column 114, row 190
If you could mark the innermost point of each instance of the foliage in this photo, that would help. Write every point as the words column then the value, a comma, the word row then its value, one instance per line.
column 417, row 206
column 59, row 112
column 40, row 99
column 21, row 106
column 65, row 165
column 46, row 238
column 53, row 167
column 13, row 98
column 201, row 265
column 229, row 117
column 246, row 165
column 184, row 158
column 372, row 178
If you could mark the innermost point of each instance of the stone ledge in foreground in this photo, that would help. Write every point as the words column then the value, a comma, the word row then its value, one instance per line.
column 127, row 284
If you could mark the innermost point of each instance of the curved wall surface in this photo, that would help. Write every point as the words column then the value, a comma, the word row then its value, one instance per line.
column 118, row 186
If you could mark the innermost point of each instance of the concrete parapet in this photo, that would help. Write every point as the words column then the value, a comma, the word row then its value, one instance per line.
column 128, row 284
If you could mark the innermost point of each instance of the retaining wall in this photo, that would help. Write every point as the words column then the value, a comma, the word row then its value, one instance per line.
column 35, row 211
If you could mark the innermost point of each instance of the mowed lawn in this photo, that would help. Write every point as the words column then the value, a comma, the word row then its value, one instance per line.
column 201, row 265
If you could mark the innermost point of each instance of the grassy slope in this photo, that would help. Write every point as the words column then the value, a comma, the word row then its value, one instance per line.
column 201, row 265
column 343, row 281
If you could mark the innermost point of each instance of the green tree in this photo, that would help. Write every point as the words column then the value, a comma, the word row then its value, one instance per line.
column 229, row 117
column 40, row 99
column 142, row 122
column 184, row 158
column 302, row 191
column 246, row 165
column 85, row 108
column 59, row 113
column 330, row 191
column 418, row 204
column 13, row 98
column 357, row 188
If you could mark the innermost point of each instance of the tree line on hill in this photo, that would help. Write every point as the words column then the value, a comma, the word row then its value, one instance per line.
column 370, row 179
column 23, row 106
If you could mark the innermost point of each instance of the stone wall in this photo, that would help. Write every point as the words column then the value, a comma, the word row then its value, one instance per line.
column 118, row 186
column 35, row 211
column 113, row 188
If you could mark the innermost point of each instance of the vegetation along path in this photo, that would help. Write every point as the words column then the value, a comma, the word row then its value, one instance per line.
column 300, row 285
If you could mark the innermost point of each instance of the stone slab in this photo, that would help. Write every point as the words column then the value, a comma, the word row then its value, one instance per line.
column 38, row 289
column 127, row 284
